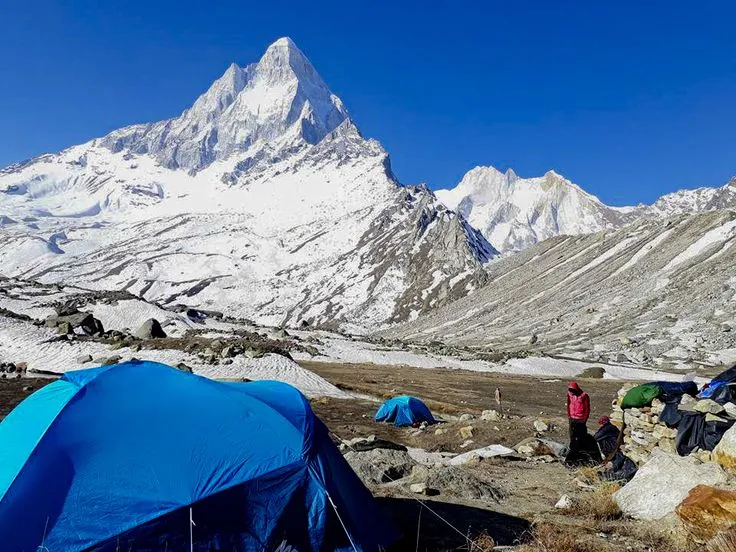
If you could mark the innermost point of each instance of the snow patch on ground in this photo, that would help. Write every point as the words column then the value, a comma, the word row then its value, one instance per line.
column 340, row 350
column 23, row 342
column 275, row 367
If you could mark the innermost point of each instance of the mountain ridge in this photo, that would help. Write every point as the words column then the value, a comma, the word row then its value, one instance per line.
column 514, row 213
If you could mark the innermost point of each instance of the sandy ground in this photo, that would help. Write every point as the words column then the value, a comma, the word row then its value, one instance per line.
column 451, row 393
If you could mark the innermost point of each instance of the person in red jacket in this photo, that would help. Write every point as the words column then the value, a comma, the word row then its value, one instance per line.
column 578, row 403
column 578, row 412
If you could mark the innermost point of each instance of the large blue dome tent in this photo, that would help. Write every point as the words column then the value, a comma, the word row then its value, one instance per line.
column 122, row 457
column 403, row 411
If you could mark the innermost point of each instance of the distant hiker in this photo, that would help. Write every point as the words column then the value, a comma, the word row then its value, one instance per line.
column 583, row 448
column 498, row 397
column 606, row 436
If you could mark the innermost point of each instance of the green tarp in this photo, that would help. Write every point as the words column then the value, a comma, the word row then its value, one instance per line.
column 641, row 395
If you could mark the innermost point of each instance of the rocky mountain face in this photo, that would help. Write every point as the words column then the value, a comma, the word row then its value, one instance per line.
column 262, row 199
column 656, row 292
column 514, row 213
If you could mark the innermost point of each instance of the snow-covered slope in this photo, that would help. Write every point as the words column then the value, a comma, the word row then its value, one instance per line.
column 262, row 199
column 514, row 212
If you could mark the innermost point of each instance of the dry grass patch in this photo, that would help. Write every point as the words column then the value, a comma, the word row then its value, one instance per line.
column 656, row 536
column 599, row 504
column 588, row 475
column 482, row 543
column 552, row 538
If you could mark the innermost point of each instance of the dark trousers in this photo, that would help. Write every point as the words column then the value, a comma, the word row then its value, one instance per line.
column 583, row 448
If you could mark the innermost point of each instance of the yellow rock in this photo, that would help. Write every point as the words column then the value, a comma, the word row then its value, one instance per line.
column 707, row 510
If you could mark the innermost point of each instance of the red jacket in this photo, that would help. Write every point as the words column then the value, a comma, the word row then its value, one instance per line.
column 578, row 406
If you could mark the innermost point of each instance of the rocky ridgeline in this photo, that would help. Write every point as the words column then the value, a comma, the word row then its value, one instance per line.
column 645, row 432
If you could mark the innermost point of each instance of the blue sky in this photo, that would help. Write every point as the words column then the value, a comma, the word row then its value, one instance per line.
column 628, row 99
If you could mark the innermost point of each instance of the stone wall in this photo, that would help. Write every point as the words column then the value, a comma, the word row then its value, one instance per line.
column 644, row 432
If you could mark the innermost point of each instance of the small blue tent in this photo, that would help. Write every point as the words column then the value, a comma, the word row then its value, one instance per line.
column 119, row 457
column 404, row 410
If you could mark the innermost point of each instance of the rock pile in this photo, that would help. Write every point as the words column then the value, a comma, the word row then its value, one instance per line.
column 645, row 432
column 12, row 369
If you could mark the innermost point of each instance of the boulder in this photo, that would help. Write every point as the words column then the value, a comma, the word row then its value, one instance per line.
column 730, row 409
column 466, row 417
column 486, row 452
column 466, row 432
column 362, row 444
column 593, row 372
column 708, row 406
column 687, row 403
column 565, row 503
column 150, row 329
column 534, row 446
column 380, row 465
column 490, row 416
column 65, row 328
column 707, row 510
column 67, row 308
column 82, row 359
column 228, row 351
column 662, row 483
column 418, row 488
column 83, row 320
column 184, row 368
column 725, row 451
column 460, row 483
column 107, row 361
column 541, row 426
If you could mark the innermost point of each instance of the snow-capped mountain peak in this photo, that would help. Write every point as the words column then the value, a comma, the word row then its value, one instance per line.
column 280, row 101
column 262, row 199
column 514, row 212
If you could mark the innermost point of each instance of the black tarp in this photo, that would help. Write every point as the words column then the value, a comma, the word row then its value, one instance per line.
column 623, row 468
column 729, row 376
column 670, row 416
column 714, row 431
column 723, row 394
column 674, row 390
column 690, row 433
column 694, row 431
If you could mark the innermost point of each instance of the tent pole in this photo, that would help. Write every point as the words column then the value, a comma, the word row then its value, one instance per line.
column 191, row 531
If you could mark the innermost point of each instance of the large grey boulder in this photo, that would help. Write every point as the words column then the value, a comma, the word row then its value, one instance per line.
column 150, row 329
column 663, row 482
column 380, row 465
column 725, row 451
column 457, row 482
column 83, row 320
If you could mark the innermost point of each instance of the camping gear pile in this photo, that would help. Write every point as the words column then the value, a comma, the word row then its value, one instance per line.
column 676, row 417
column 142, row 456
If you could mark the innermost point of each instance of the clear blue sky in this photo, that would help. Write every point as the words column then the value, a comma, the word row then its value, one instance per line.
column 628, row 99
